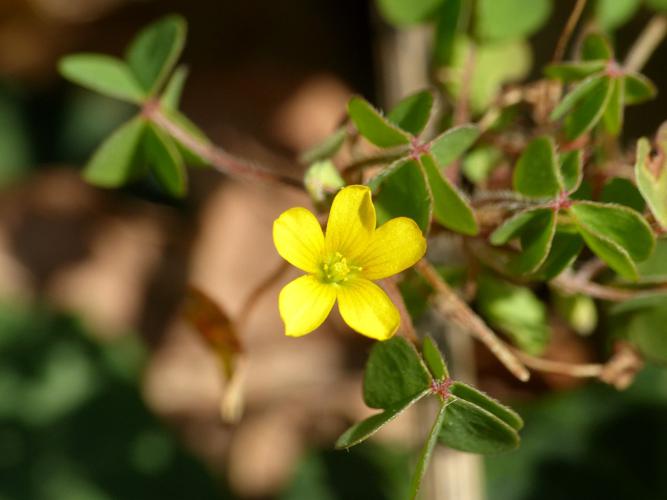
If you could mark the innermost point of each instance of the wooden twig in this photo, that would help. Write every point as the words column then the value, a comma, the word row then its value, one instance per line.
column 458, row 312
column 571, row 283
column 646, row 43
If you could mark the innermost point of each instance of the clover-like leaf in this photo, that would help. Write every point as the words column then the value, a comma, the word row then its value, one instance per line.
column 427, row 451
column 401, row 190
column 515, row 311
column 373, row 126
column 589, row 108
column 450, row 207
column 565, row 248
column 573, row 71
column 171, row 97
column 366, row 428
column 104, row 74
column 613, row 114
column 452, row 143
column 325, row 149
column 510, row 19
column 155, row 50
column 614, row 13
column 394, row 374
column 651, row 176
column 190, row 156
column 571, row 170
column 413, row 112
column 596, row 47
column 114, row 161
column 638, row 89
column 536, row 173
column 433, row 358
column 622, row 192
column 161, row 152
column 472, row 395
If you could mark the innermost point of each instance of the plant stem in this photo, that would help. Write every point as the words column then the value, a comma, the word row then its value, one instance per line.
column 407, row 327
column 568, row 30
column 571, row 283
column 218, row 158
column 456, row 310
column 646, row 43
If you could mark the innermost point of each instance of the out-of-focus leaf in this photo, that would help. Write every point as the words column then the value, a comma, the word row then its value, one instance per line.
column 596, row 47
column 155, row 50
column 447, row 24
column 468, row 427
column 189, row 156
column 613, row 254
column 171, row 97
column 427, row 451
column 496, row 64
column 452, row 143
column 162, row 154
column 394, row 374
column 472, row 395
column 654, row 269
column 214, row 326
column 515, row 311
column 580, row 91
column 413, row 112
column 112, row 163
column 325, row 149
column 651, row 176
column 480, row 162
column 450, row 208
column 613, row 114
column 402, row 12
column 104, row 74
column 589, row 109
column 620, row 225
column 571, row 170
column 322, row 181
column 373, row 126
column 613, row 13
column 361, row 431
column 536, row 174
column 638, row 89
column 659, row 5
column 565, row 247
column 622, row 192
column 573, row 71
column 646, row 329
column 15, row 150
column 578, row 310
column 510, row 19
column 536, row 229
column 400, row 190
column 433, row 358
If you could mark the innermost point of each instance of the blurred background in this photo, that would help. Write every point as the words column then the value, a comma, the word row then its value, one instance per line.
column 107, row 393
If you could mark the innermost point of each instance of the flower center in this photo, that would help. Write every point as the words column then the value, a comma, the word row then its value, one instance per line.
column 336, row 268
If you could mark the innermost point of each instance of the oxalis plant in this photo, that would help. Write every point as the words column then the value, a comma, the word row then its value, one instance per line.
column 545, row 211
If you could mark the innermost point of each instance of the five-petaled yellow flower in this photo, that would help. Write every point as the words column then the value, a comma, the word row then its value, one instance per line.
column 342, row 264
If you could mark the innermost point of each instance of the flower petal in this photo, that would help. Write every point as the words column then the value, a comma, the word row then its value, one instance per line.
column 395, row 246
column 366, row 309
column 298, row 238
column 304, row 304
column 351, row 221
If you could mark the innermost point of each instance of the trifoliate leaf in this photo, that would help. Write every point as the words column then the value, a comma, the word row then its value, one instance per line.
column 161, row 153
column 596, row 47
column 536, row 173
column 613, row 114
column 638, row 89
column 510, row 19
column 571, row 170
column 452, row 143
column 373, row 126
column 622, row 192
column 573, row 71
column 413, row 112
column 433, row 358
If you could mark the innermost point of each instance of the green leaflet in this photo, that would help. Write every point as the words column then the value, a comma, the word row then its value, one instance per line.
column 651, row 178
column 433, row 358
column 402, row 12
column 510, row 19
column 638, row 89
column 413, row 112
column 536, row 173
column 613, row 114
column 161, row 153
column 373, row 126
column 452, row 143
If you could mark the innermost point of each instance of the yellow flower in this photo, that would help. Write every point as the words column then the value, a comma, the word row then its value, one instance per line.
column 342, row 264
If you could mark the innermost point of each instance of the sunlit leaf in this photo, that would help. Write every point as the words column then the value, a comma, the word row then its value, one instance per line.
column 373, row 126
column 450, row 207
column 613, row 13
column 536, row 173
column 452, row 143
column 651, row 176
column 104, row 74
column 510, row 19
column 573, row 71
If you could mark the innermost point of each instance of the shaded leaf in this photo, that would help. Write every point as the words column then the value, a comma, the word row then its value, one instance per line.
column 536, row 173
column 646, row 330
column 613, row 254
column 325, row 149
column 510, row 19
column 413, row 112
column 373, row 126
column 596, row 47
column 651, row 176
column 472, row 395
column 622, row 192
column 515, row 311
column 565, row 248
column 394, row 374
column 427, row 451
column 579, row 92
column 366, row 428
column 433, row 358
column 467, row 427
column 171, row 97
column 571, row 170
column 589, row 109
column 162, row 154
column 638, row 89
column 613, row 114
column 112, row 163
column 451, row 144
column 450, row 208
column 447, row 24
column 402, row 12
column 401, row 190
column 104, row 74
column 189, row 156
column 155, row 50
